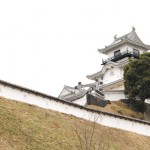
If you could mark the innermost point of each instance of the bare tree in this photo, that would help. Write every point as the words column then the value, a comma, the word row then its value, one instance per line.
column 91, row 138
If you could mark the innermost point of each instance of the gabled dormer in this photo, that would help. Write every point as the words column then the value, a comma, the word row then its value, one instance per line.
column 128, row 45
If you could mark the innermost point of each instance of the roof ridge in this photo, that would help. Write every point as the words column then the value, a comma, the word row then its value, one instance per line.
column 116, row 39
column 131, row 36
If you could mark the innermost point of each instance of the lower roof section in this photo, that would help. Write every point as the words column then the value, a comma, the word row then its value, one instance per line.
column 100, row 73
column 112, row 85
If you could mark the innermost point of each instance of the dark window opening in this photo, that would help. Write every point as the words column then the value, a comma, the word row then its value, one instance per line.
column 117, row 53
column 136, row 52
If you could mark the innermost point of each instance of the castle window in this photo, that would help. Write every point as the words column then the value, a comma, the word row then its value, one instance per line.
column 111, row 73
column 136, row 52
column 117, row 53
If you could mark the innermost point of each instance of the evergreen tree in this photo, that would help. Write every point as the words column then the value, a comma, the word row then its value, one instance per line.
column 137, row 78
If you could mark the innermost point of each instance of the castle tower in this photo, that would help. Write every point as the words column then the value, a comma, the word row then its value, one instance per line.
column 108, row 82
column 119, row 52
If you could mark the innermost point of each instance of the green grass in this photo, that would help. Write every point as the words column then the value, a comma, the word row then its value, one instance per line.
column 27, row 127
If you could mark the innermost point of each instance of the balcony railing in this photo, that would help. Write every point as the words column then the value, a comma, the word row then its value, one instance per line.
column 121, row 55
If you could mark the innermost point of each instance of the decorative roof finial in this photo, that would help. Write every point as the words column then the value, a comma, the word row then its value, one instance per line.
column 115, row 37
column 133, row 28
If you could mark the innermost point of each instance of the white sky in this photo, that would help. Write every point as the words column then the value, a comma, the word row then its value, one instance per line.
column 45, row 44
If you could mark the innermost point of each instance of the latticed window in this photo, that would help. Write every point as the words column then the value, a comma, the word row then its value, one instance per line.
column 111, row 73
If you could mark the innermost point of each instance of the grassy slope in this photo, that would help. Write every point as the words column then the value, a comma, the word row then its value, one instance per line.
column 25, row 127
column 118, row 107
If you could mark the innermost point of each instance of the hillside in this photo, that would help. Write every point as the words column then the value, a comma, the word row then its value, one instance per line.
column 25, row 127
column 118, row 107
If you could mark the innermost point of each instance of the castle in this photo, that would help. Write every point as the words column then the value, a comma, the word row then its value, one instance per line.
column 103, row 88
column 108, row 82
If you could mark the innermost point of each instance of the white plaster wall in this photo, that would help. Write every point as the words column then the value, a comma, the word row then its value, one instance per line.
column 147, row 101
column 121, row 72
column 108, row 77
column 122, row 48
column 131, row 47
column 104, row 119
column 81, row 101
column 114, row 96
column 22, row 96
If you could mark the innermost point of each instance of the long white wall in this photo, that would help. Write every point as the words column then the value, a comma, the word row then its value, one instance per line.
column 122, row 48
column 114, row 95
column 81, row 101
column 52, row 103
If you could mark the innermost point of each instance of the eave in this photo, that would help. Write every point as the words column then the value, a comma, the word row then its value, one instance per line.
column 126, row 40
column 75, row 96
column 102, row 71
column 112, row 84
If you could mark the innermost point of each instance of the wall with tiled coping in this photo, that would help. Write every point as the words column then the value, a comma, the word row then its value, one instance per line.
column 22, row 94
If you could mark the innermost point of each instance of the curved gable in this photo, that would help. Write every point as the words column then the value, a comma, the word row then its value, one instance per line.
column 99, row 74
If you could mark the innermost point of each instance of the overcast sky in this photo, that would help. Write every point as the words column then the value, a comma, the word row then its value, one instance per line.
column 45, row 44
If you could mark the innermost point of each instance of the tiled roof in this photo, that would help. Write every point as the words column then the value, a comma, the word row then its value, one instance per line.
column 76, row 93
column 104, row 86
column 131, row 37
column 72, row 96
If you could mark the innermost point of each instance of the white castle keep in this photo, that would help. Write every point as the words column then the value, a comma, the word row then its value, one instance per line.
column 108, row 82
